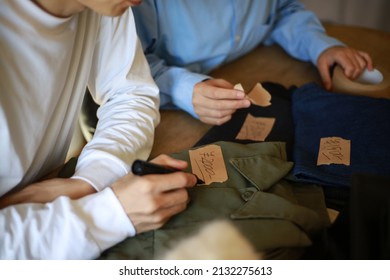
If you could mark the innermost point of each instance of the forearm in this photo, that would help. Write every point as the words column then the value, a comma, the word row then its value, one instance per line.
column 300, row 33
column 47, row 191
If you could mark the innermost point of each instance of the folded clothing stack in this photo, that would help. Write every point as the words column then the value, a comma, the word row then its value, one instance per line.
column 362, row 120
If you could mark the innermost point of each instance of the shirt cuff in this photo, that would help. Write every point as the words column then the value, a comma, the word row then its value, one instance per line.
column 108, row 222
column 321, row 44
column 186, row 84
column 101, row 170
column 181, row 88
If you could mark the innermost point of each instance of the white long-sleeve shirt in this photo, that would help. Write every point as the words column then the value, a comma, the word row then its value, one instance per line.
column 45, row 65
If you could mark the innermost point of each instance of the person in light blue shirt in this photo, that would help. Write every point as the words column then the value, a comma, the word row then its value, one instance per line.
column 186, row 39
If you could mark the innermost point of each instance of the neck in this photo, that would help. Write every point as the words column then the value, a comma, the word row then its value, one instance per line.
column 60, row 8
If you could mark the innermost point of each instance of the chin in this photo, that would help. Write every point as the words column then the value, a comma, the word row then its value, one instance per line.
column 114, row 12
column 135, row 2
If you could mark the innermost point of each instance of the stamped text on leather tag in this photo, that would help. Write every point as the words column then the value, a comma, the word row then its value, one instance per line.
column 208, row 165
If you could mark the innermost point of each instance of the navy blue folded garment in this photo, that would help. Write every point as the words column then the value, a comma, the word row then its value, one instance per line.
column 364, row 121
column 280, row 109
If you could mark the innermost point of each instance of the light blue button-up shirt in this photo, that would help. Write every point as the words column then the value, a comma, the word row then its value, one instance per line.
column 186, row 39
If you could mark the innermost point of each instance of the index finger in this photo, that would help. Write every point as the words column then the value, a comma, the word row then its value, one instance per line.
column 224, row 94
column 324, row 71
column 169, row 182
column 170, row 161
column 368, row 60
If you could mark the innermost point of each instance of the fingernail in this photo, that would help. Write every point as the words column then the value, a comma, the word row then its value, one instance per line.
column 240, row 94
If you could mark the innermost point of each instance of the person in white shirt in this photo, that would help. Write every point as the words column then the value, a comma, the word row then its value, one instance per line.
column 50, row 50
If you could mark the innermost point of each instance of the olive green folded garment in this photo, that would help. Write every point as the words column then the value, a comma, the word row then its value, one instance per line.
column 276, row 216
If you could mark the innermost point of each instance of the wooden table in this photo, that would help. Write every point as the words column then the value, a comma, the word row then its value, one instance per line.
column 178, row 130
